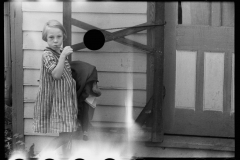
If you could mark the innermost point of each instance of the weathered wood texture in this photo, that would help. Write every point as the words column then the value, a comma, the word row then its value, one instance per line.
column 228, row 14
column 199, row 81
column 196, row 13
column 203, row 123
column 32, row 40
column 88, row 7
column 233, row 85
column 158, row 44
column 17, row 70
column 214, row 39
column 196, row 143
column 169, row 64
column 6, row 36
column 208, row 13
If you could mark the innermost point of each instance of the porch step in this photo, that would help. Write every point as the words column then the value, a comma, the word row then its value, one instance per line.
column 173, row 141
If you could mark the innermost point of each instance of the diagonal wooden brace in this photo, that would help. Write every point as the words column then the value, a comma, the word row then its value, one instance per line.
column 116, row 36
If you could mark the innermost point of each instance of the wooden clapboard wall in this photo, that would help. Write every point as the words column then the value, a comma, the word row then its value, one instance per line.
column 120, row 68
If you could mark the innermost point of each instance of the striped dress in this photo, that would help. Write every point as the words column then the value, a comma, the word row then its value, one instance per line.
column 55, row 109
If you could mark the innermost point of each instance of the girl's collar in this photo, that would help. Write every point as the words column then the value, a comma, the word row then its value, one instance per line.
column 53, row 51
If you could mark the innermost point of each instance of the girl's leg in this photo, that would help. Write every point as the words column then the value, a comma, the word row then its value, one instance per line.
column 62, row 139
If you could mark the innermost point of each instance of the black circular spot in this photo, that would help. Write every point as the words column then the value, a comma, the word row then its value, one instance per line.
column 94, row 39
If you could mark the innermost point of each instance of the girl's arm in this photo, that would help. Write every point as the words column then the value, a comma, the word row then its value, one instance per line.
column 58, row 70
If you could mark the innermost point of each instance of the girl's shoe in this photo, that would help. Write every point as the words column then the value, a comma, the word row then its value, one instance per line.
column 85, row 136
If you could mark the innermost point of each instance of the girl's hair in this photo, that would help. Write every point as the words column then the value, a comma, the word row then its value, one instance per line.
column 53, row 24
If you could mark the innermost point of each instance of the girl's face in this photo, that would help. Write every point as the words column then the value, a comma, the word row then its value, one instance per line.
column 54, row 38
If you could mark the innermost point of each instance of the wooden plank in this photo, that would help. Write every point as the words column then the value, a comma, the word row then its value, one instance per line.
column 216, row 13
column 104, row 61
column 233, row 85
column 34, row 21
column 67, row 16
column 227, row 82
column 199, row 124
column 17, row 70
column 186, row 13
column 120, row 62
column 206, row 38
column 101, row 114
column 33, row 41
column 108, row 97
column 32, row 58
column 109, row 7
column 90, row 7
column 108, row 80
column 195, row 13
column 199, row 81
column 228, row 14
column 195, row 143
column 169, row 78
column 136, row 40
column 213, row 81
column 158, row 43
column 42, row 6
column 150, row 57
column 6, row 35
column 185, row 79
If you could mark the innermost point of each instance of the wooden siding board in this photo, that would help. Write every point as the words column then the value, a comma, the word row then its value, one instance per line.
column 34, row 21
column 119, row 62
column 233, row 85
column 33, row 41
column 227, row 82
column 108, row 80
column 104, row 61
column 109, row 97
column 92, row 7
column 205, row 38
column 199, row 81
column 137, row 37
column 110, row 7
column 42, row 6
column 17, row 69
column 102, row 113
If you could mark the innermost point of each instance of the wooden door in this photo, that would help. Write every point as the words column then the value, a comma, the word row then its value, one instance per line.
column 199, row 69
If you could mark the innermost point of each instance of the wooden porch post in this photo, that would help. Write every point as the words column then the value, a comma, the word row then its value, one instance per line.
column 67, row 23
column 17, row 71
column 157, row 14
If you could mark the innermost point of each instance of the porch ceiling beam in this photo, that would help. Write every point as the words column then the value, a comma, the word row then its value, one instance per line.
column 117, row 36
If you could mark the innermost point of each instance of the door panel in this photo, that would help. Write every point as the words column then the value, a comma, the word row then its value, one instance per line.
column 203, row 71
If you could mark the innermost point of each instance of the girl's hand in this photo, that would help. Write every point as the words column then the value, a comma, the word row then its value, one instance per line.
column 67, row 51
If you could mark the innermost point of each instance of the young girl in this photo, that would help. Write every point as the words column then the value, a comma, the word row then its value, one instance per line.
column 55, row 109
